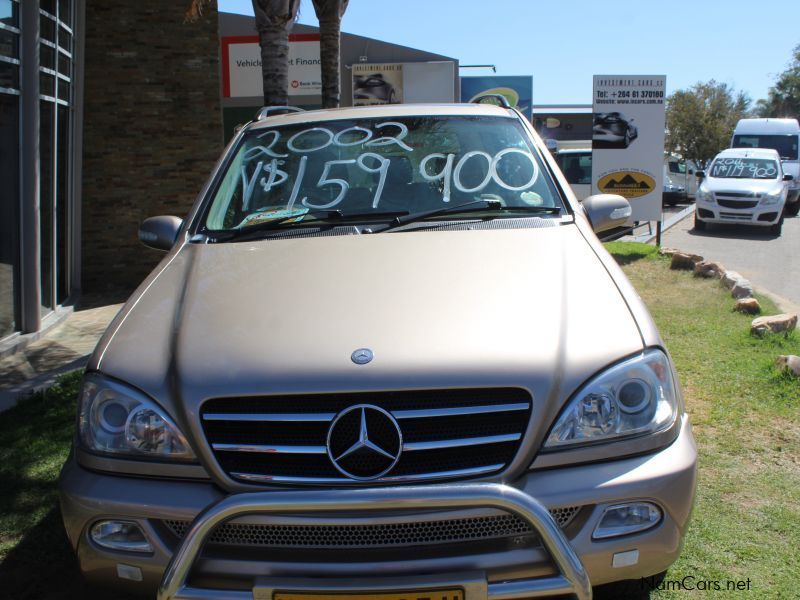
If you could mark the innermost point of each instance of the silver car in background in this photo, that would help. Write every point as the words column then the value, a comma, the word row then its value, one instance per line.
column 384, row 357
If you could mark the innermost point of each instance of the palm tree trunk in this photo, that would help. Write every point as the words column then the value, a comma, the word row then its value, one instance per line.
column 329, row 14
column 274, row 20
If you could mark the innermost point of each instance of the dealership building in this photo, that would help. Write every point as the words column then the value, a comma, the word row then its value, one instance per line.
column 417, row 76
column 109, row 113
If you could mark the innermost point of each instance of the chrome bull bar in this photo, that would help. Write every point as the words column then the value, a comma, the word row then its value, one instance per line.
column 571, row 580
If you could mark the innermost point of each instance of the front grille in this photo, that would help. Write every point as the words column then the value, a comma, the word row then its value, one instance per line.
column 736, row 216
column 738, row 203
column 736, row 194
column 446, row 434
column 381, row 535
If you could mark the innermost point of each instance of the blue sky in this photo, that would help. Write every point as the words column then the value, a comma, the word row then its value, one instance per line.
column 562, row 43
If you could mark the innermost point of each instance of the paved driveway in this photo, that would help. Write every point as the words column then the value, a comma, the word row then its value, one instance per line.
column 771, row 263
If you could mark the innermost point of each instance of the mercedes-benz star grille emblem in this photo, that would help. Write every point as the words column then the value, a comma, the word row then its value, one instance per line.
column 364, row 442
column 361, row 356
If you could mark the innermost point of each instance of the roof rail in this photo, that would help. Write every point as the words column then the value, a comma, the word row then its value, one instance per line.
column 264, row 112
column 496, row 99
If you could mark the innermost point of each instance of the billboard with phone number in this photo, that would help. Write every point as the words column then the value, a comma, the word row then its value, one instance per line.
column 628, row 141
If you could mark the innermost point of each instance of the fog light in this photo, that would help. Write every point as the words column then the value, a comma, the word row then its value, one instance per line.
column 622, row 519
column 120, row 535
column 129, row 572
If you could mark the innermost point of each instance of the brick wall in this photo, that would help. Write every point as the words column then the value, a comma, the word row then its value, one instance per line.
column 152, row 128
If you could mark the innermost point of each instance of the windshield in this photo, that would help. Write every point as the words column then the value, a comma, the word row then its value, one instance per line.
column 373, row 166
column 576, row 166
column 371, row 81
column 786, row 145
column 677, row 167
column 744, row 168
column 613, row 117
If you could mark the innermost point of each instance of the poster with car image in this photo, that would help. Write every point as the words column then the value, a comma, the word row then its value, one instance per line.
column 377, row 84
column 628, row 141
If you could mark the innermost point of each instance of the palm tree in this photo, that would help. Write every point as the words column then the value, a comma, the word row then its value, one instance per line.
column 274, row 20
column 329, row 14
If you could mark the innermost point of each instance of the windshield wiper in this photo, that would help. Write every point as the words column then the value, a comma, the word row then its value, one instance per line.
column 320, row 216
column 469, row 207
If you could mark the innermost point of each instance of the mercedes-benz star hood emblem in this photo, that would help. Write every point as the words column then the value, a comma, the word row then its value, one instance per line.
column 364, row 442
column 361, row 356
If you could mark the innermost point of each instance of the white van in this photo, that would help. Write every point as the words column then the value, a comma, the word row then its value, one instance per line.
column 782, row 135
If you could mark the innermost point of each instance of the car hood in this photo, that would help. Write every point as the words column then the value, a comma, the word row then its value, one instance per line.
column 532, row 308
column 756, row 186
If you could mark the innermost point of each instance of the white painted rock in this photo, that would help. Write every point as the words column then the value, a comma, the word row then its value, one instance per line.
column 709, row 269
column 730, row 278
column 790, row 363
column 742, row 289
column 748, row 305
column 774, row 324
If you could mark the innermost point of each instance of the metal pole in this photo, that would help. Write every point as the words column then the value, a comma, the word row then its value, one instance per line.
column 30, row 258
column 658, row 233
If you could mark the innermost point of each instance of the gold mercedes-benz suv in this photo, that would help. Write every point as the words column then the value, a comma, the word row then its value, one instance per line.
column 385, row 357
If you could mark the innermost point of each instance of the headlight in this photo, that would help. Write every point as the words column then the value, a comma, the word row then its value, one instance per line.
column 703, row 195
column 773, row 197
column 116, row 419
column 631, row 398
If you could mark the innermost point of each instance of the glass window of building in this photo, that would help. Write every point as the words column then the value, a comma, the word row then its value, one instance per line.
column 55, row 131
column 9, row 165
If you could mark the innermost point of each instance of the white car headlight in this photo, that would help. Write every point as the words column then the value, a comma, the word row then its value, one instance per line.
column 116, row 419
column 704, row 195
column 772, row 197
column 631, row 398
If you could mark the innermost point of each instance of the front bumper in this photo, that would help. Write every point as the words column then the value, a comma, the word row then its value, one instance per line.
column 672, row 195
column 767, row 214
column 666, row 478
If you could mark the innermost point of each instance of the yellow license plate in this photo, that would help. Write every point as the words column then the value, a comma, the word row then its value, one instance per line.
column 444, row 594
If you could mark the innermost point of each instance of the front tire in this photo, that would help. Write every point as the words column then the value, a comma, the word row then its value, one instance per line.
column 698, row 224
column 792, row 209
column 778, row 227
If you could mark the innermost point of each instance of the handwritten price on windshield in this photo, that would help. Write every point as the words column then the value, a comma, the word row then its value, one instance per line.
column 268, row 173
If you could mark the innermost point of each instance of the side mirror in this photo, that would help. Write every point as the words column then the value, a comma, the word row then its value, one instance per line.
column 700, row 174
column 159, row 233
column 788, row 177
column 606, row 211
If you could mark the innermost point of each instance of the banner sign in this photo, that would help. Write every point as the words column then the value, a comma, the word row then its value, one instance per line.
column 377, row 84
column 628, row 141
column 241, row 66
column 518, row 90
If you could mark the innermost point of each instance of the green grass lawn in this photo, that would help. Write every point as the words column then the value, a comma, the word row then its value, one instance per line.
column 746, row 523
column 746, row 418
column 35, row 438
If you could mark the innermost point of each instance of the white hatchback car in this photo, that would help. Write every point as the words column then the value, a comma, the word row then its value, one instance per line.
column 743, row 186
